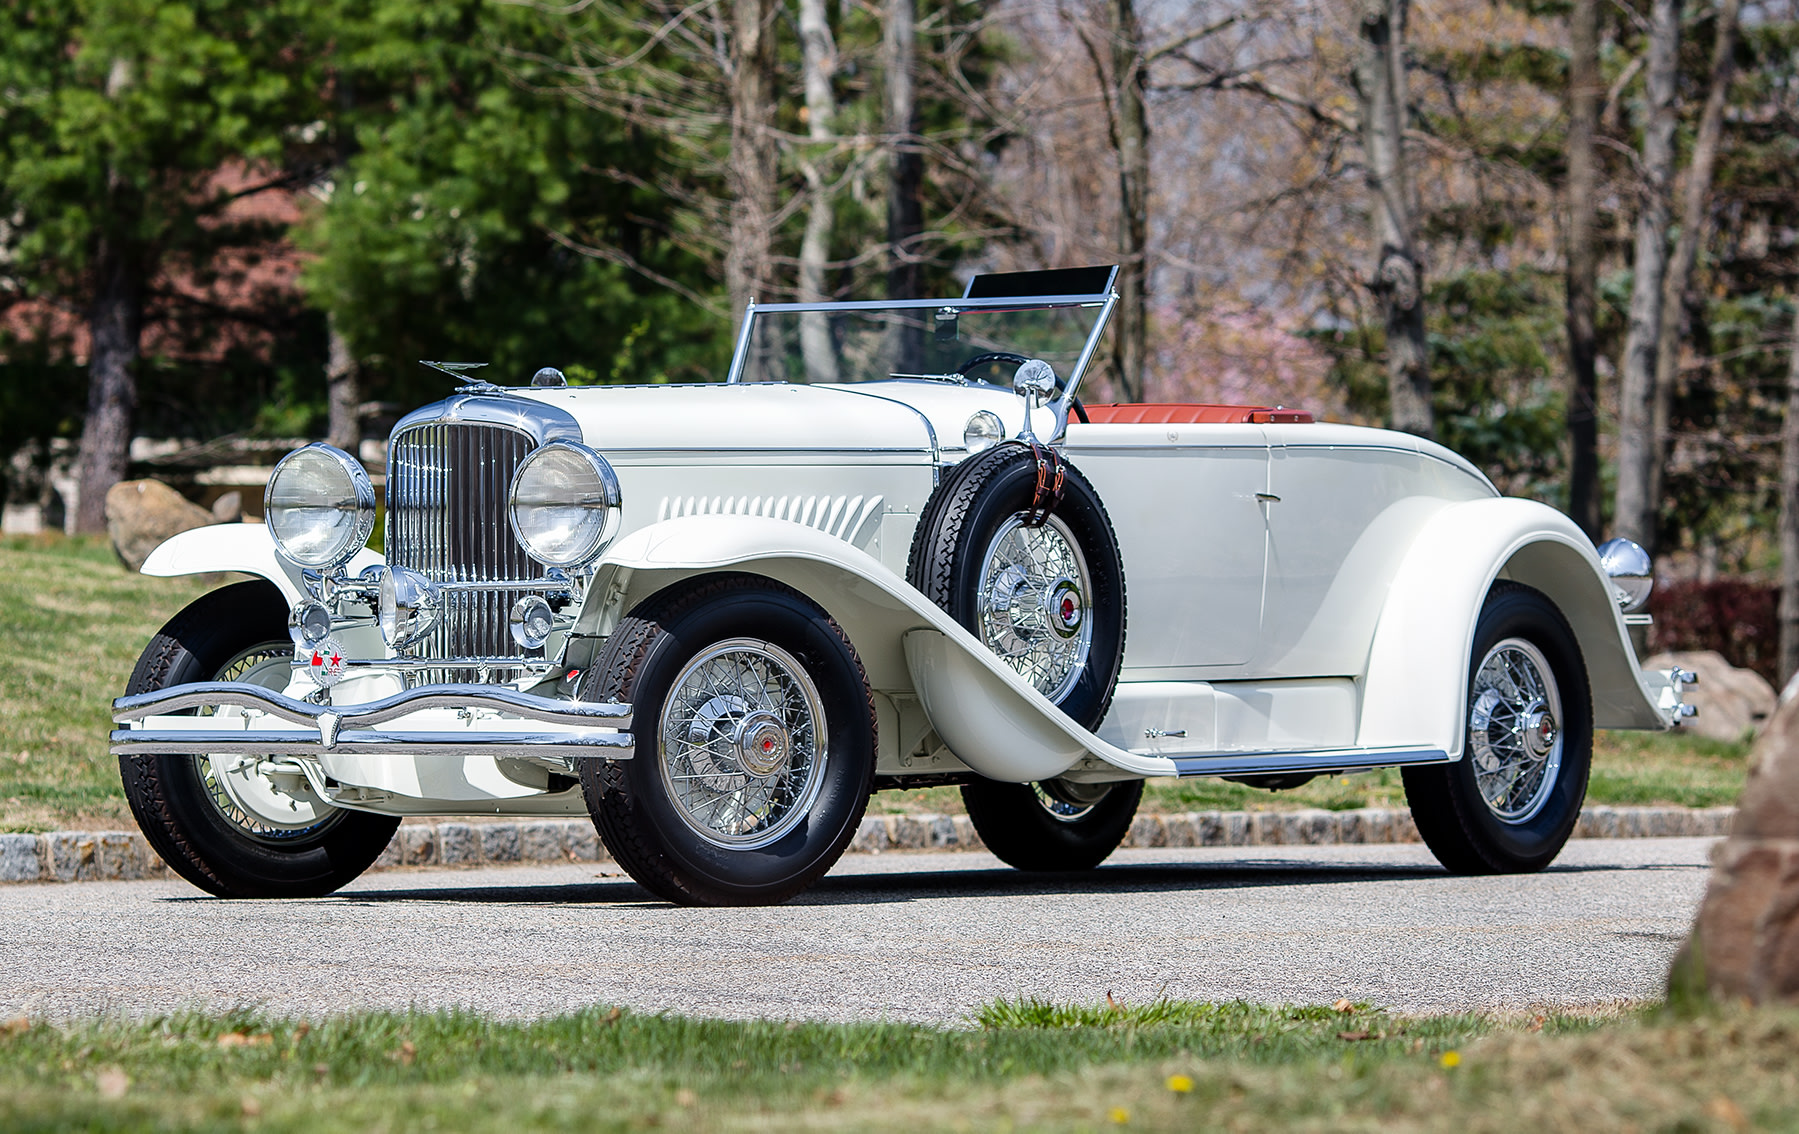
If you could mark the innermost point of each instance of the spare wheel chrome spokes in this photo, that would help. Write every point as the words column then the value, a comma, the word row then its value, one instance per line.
column 1035, row 603
column 742, row 746
column 1514, row 730
column 268, row 800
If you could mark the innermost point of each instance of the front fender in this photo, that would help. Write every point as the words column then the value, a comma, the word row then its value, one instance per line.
column 1417, row 675
column 986, row 714
column 237, row 547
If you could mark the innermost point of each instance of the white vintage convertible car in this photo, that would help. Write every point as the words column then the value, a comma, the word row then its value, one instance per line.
column 890, row 549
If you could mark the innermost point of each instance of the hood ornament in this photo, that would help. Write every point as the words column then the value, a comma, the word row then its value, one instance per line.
column 459, row 371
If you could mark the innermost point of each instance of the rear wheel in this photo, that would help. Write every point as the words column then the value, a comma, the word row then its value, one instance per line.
column 240, row 826
column 1047, row 597
column 1511, row 802
column 755, row 736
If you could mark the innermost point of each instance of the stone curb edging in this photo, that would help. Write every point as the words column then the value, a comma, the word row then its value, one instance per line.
column 110, row 856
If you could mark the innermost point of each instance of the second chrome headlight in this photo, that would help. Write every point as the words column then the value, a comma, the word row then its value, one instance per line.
column 564, row 504
column 320, row 506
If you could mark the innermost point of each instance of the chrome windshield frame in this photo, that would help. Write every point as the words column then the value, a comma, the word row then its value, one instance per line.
column 1070, row 387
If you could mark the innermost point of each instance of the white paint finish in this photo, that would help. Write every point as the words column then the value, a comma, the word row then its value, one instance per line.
column 1344, row 521
column 1298, row 714
column 696, row 423
column 1192, row 536
column 1156, row 717
column 1417, row 672
column 236, row 547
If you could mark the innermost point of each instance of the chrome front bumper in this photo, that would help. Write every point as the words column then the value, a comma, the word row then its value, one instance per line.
column 470, row 720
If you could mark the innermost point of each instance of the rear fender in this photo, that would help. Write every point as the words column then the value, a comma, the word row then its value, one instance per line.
column 1417, row 675
column 986, row 714
column 237, row 547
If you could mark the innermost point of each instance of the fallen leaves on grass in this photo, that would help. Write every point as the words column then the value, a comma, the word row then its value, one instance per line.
column 239, row 1039
column 1343, row 1005
column 1727, row 1112
column 406, row 1054
column 1363, row 1034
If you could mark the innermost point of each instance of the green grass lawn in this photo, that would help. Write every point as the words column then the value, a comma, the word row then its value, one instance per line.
column 72, row 622
column 1020, row 1066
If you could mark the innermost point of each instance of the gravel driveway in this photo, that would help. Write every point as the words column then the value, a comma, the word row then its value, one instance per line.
column 906, row 936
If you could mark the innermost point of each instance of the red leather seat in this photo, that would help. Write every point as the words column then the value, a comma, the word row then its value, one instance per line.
column 1191, row 413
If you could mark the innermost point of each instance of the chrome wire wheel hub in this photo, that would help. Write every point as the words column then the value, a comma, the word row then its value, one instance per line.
column 1514, row 730
column 742, row 743
column 1069, row 802
column 1033, row 605
column 266, row 798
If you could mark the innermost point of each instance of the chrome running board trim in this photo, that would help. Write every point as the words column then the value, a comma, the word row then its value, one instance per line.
column 1324, row 760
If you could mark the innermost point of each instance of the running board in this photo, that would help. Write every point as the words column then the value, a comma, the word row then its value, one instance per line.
column 1326, row 760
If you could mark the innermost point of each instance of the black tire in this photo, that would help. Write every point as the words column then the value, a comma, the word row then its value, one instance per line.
column 168, row 794
column 1468, row 835
column 972, row 506
column 1066, row 827
column 652, row 834
column 957, row 527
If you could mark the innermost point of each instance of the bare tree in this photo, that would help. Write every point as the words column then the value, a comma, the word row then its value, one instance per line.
column 1789, row 515
column 1130, row 137
column 905, row 174
column 343, row 391
column 114, row 323
column 1585, row 88
column 1399, row 274
column 752, row 168
column 1635, row 507
column 1694, row 222
column 818, row 55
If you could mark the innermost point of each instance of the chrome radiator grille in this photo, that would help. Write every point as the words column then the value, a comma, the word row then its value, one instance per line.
column 446, row 518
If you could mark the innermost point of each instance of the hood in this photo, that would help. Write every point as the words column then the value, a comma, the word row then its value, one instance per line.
column 921, row 417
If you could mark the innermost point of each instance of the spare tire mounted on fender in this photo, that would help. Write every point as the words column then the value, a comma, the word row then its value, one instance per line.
column 1035, row 574
column 1043, row 588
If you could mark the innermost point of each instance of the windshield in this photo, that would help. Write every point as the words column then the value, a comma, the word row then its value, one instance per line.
column 941, row 341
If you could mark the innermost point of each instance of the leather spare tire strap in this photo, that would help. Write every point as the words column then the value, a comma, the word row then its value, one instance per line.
column 1052, row 477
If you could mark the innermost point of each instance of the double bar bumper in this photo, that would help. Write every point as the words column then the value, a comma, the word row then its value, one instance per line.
column 472, row 720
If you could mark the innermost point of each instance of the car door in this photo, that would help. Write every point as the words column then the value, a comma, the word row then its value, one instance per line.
column 1184, row 502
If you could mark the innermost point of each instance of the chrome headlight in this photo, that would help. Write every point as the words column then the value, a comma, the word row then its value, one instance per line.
column 983, row 431
column 1627, row 565
column 319, row 506
column 564, row 504
column 408, row 606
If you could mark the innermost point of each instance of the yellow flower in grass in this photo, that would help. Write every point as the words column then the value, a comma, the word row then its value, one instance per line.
column 1180, row 1084
column 1119, row 1115
column 1451, row 1059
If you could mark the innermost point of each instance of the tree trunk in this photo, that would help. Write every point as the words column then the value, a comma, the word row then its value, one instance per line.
column 113, row 326
column 818, row 56
column 1131, row 139
column 1398, row 276
column 752, row 172
column 1789, row 515
column 905, row 175
column 343, row 388
column 1694, row 221
column 1585, row 89
column 1635, row 507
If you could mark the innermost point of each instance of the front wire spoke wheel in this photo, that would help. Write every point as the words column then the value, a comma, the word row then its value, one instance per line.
column 742, row 748
column 1514, row 730
column 239, row 787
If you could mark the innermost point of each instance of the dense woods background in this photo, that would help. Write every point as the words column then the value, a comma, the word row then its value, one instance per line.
column 1560, row 237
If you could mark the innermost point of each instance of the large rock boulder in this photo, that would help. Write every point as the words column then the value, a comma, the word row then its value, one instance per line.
column 1745, row 942
column 140, row 514
column 1733, row 703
